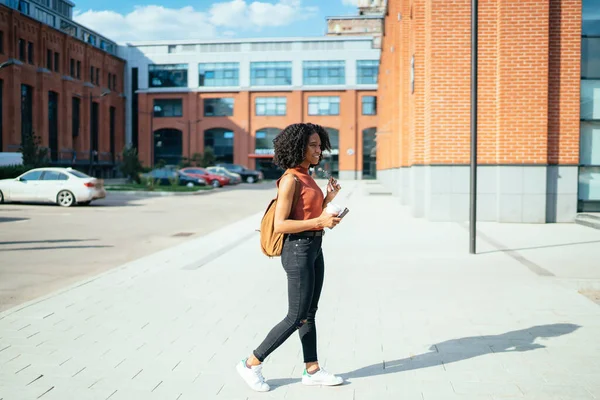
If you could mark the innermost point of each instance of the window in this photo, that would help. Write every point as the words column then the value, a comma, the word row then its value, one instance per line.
column 168, row 108
column 325, row 105
column 590, row 99
column 49, row 59
column 168, row 75
column 75, row 112
column 271, row 106
column 218, row 107
column 68, row 27
column 98, row 76
column 32, row 176
column 112, row 112
column 78, row 69
column 219, row 74
column 1, row 110
column 53, row 125
column 1, row 42
column 24, row 7
column 590, row 19
column 271, row 73
column 73, row 68
column 366, row 72
column 54, row 176
column 26, row 111
column 590, row 58
column 264, row 140
column 369, row 105
column 92, row 74
column 56, row 62
column 109, row 80
column 324, row 72
column 89, row 38
column 45, row 17
column 22, row 50
column 30, row 55
column 114, row 82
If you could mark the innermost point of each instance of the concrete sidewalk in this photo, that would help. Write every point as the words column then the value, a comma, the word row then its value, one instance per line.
column 406, row 313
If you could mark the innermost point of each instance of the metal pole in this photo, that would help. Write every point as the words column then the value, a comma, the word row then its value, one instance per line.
column 473, row 207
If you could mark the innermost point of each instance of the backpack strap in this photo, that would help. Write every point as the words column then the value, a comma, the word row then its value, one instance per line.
column 297, row 190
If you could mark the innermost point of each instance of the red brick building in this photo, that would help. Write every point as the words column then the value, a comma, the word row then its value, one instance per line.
column 62, row 89
column 529, row 109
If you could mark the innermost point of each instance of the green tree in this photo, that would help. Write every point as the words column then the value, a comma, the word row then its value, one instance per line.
column 131, row 166
column 34, row 156
column 197, row 159
column 209, row 157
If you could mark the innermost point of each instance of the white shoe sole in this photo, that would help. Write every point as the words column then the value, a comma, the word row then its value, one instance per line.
column 308, row 382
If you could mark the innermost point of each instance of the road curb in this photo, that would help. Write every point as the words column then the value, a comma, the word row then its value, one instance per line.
column 140, row 193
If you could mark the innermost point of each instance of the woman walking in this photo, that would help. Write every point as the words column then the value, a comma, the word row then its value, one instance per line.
column 297, row 148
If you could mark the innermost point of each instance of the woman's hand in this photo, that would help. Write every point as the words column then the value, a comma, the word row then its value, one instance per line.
column 333, row 188
column 327, row 220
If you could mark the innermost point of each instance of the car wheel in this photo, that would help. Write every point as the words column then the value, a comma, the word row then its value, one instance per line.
column 65, row 198
column 250, row 179
column 85, row 203
column 215, row 183
column 1, row 197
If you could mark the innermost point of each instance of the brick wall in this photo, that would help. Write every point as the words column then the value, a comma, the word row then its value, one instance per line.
column 528, row 106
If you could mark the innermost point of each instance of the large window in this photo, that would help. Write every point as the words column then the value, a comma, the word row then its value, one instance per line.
column 271, row 106
column 369, row 105
column 221, row 141
column 271, row 73
column 168, row 108
column 220, row 107
column 30, row 53
column 366, row 72
column 75, row 112
column 26, row 111
column 264, row 140
column 112, row 121
column 324, row 105
column 219, row 74
column 49, row 60
column 22, row 50
column 53, row 125
column 56, row 62
column 324, row 72
column 45, row 17
column 169, row 75
column 589, row 148
column 68, row 27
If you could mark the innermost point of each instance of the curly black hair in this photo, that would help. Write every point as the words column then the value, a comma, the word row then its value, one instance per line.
column 291, row 144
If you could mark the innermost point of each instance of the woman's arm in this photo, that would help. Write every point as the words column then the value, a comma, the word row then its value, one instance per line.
column 285, row 198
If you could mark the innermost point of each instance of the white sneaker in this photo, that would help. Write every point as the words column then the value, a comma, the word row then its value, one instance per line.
column 253, row 376
column 321, row 377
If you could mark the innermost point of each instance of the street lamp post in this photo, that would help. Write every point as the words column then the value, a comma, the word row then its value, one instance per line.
column 473, row 194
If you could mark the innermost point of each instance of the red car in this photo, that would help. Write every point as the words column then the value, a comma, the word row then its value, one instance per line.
column 211, row 179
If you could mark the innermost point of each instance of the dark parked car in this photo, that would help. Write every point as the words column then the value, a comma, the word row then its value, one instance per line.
column 164, row 176
column 270, row 170
column 248, row 175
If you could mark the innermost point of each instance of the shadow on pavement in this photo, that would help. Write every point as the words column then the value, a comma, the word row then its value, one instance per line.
column 539, row 247
column 47, row 241
column 12, row 219
column 54, row 248
column 456, row 350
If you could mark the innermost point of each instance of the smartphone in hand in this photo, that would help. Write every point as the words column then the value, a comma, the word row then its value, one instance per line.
column 343, row 213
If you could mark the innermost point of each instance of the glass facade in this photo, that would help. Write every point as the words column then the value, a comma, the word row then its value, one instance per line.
column 369, row 105
column 168, row 108
column 219, row 107
column 219, row 74
column 221, row 141
column 264, row 140
column 26, row 111
column 168, row 75
column 366, row 72
column 271, row 73
column 324, row 72
column 271, row 106
column 324, row 105
column 589, row 149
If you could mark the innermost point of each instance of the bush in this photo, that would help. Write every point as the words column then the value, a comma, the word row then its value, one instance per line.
column 131, row 166
column 209, row 157
column 34, row 156
column 12, row 171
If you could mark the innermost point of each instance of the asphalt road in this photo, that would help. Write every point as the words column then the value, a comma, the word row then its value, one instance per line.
column 46, row 247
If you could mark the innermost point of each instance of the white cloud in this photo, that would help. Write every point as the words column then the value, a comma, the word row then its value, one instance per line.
column 351, row 2
column 160, row 23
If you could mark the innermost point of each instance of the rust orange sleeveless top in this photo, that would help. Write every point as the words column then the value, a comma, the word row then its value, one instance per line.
column 310, row 202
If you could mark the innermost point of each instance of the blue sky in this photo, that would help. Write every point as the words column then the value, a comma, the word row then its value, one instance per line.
column 132, row 20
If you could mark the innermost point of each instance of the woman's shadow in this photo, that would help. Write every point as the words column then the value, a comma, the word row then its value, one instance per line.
column 455, row 350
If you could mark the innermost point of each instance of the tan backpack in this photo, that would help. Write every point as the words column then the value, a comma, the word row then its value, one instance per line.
column 271, row 242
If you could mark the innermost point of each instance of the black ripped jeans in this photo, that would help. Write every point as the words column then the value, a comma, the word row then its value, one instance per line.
column 302, row 259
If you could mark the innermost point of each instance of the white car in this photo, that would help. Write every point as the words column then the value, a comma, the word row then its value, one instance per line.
column 63, row 186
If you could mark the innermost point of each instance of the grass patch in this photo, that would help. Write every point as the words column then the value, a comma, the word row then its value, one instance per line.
column 165, row 188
